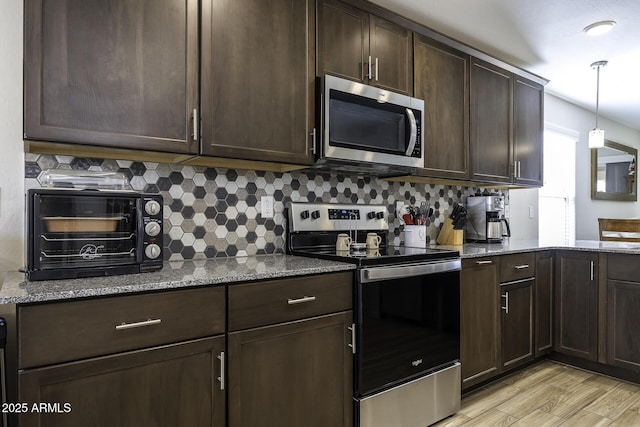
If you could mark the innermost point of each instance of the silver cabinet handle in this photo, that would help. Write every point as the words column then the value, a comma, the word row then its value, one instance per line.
column 506, row 302
column 521, row 267
column 313, row 141
column 369, row 76
column 300, row 300
column 352, row 328
column 519, row 169
column 148, row 322
column 195, row 124
column 221, row 377
column 484, row 262
column 376, row 69
column 414, row 132
column 592, row 268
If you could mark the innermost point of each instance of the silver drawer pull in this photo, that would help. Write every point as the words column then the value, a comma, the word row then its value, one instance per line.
column 300, row 300
column 221, row 377
column 149, row 322
column 484, row 262
column 521, row 267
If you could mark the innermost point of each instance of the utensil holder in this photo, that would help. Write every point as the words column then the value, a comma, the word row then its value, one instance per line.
column 449, row 236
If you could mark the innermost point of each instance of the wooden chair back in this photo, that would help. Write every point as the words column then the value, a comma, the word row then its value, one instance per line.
column 619, row 230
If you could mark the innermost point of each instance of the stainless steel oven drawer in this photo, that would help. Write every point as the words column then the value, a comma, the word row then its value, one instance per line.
column 418, row 403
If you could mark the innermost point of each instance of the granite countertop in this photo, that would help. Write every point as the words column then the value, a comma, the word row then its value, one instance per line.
column 175, row 274
column 512, row 246
column 221, row 271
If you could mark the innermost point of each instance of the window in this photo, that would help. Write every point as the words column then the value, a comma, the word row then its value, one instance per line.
column 557, row 197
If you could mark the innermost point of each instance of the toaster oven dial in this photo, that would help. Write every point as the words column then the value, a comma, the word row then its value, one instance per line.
column 152, row 251
column 152, row 207
column 152, row 228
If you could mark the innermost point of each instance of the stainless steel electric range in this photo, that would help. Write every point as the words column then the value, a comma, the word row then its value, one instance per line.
column 406, row 314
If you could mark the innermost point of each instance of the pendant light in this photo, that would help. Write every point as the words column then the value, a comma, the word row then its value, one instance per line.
column 596, row 136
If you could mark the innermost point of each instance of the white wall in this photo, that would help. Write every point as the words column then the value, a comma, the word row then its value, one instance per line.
column 11, row 151
column 564, row 114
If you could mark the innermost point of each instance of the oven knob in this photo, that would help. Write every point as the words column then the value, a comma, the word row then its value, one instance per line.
column 152, row 207
column 152, row 251
column 152, row 228
column 315, row 214
column 371, row 215
column 380, row 215
column 304, row 214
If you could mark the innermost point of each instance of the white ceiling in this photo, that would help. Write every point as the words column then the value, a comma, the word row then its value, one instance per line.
column 545, row 37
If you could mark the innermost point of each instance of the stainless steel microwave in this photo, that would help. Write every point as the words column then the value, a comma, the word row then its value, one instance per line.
column 370, row 129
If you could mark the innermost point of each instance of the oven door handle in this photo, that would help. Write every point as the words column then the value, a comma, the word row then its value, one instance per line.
column 376, row 274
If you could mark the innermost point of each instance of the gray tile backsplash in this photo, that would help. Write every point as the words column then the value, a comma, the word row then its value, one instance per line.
column 215, row 212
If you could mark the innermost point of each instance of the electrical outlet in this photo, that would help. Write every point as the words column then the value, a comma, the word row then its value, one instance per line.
column 267, row 206
column 531, row 213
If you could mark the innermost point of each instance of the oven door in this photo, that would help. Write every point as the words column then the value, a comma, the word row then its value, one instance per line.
column 368, row 124
column 408, row 323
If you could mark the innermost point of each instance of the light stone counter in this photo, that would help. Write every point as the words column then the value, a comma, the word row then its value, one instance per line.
column 176, row 274
column 512, row 246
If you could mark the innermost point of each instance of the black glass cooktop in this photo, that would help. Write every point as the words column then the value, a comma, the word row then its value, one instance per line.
column 383, row 255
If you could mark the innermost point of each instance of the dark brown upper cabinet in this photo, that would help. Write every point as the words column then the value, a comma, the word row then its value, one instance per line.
column 441, row 79
column 528, row 131
column 258, row 79
column 506, row 126
column 491, row 131
column 119, row 73
column 356, row 45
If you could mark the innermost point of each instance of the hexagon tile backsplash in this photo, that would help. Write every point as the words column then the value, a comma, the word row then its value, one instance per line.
column 214, row 212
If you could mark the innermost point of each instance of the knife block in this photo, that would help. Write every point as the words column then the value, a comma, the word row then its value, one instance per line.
column 449, row 236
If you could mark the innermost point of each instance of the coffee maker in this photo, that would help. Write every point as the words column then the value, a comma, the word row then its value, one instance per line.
column 486, row 221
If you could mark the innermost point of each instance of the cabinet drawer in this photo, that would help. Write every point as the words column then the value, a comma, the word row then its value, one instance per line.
column 64, row 331
column 517, row 267
column 623, row 267
column 276, row 301
column 479, row 262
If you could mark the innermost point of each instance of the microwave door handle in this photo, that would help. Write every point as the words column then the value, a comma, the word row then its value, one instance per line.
column 414, row 132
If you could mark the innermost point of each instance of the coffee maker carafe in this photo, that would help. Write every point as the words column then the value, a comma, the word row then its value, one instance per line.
column 486, row 219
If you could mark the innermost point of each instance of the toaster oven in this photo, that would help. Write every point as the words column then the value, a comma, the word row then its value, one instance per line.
column 83, row 233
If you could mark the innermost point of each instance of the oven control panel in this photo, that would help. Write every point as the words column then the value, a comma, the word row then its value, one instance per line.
column 336, row 217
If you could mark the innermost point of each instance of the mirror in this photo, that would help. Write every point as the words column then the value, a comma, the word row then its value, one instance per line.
column 613, row 172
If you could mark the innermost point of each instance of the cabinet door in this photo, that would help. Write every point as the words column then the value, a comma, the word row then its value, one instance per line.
column 258, row 79
column 491, row 155
column 544, row 303
column 517, row 323
column 576, row 304
column 623, row 317
column 164, row 386
column 121, row 73
column 292, row 374
column 528, row 105
column 343, row 41
column 479, row 320
column 441, row 79
column 391, row 56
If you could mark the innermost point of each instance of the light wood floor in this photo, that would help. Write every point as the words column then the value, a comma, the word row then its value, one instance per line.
column 551, row 394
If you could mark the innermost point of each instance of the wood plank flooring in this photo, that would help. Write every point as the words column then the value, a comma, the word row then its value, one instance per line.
column 551, row 394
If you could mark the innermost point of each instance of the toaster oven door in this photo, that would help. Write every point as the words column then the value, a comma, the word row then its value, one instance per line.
column 71, row 231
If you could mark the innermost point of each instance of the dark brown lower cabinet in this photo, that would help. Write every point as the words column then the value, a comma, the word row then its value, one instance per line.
column 479, row 320
column 544, row 303
column 576, row 304
column 517, row 322
column 623, row 313
column 292, row 374
column 173, row 385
